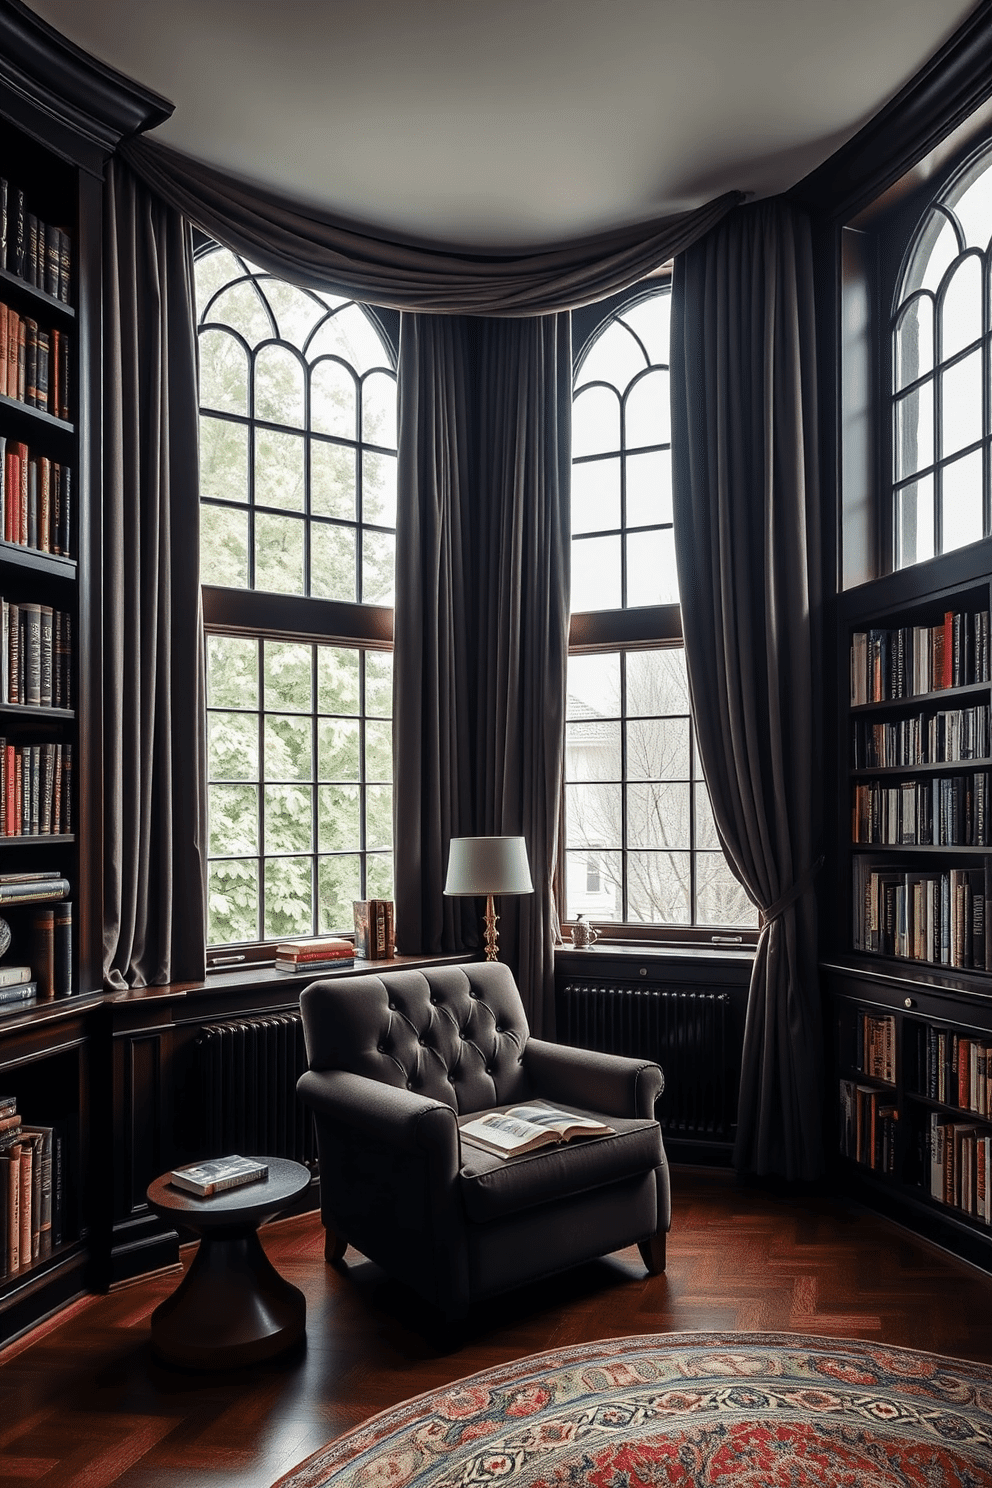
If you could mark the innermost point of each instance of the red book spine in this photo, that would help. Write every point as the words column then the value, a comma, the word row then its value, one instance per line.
column 11, row 491
column 22, row 528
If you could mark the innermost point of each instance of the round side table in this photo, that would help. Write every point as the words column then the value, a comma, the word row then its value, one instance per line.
column 232, row 1306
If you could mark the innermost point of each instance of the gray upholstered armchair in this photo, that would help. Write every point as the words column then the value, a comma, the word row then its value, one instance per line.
column 397, row 1062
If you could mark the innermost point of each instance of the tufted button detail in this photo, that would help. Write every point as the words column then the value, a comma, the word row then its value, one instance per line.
column 392, row 1007
column 489, row 1069
column 381, row 1048
column 409, row 1084
column 422, row 1043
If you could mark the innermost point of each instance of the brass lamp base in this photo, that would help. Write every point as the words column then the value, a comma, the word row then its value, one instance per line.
column 492, row 934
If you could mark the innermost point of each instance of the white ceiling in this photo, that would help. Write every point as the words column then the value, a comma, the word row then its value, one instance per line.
column 501, row 123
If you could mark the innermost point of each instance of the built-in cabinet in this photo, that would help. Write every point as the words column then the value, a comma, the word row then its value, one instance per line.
column 909, row 986
column 61, row 115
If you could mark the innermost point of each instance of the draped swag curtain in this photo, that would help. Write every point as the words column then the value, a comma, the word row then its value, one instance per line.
column 312, row 249
column 747, row 534
column 153, row 676
column 481, row 632
column 482, row 527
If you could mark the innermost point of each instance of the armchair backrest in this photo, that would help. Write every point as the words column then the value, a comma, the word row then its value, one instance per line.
column 452, row 1033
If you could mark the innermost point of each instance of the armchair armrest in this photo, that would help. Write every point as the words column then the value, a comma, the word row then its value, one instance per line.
column 610, row 1083
column 385, row 1113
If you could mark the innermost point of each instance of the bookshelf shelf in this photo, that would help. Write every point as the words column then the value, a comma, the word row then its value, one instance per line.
column 12, row 286
column 51, row 564
column 915, row 945
column 942, row 767
column 13, row 407
column 916, row 700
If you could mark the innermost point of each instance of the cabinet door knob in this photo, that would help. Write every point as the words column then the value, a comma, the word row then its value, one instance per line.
column 909, row 1002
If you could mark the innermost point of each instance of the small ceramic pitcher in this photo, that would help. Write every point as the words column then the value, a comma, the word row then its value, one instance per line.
column 583, row 934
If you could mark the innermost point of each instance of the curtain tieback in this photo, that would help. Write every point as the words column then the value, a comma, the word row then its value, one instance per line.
column 782, row 903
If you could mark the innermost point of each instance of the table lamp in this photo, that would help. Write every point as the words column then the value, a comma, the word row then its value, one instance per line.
column 488, row 865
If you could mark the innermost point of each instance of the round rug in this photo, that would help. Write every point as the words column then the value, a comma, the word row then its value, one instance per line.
column 756, row 1410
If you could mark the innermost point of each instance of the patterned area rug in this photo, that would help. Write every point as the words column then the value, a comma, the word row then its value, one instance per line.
column 756, row 1410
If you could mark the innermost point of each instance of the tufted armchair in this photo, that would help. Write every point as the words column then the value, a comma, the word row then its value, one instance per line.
column 397, row 1062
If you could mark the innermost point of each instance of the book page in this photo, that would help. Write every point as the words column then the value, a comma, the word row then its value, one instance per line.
column 546, row 1117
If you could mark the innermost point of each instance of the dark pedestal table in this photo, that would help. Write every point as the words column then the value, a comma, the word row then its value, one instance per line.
column 232, row 1306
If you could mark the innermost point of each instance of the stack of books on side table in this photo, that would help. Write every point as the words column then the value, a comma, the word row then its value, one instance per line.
column 206, row 1178
column 328, row 952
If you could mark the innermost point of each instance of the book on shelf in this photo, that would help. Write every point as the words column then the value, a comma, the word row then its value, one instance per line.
column 35, row 654
column 64, row 984
column 33, row 784
column 36, row 370
column 905, row 661
column 31, row 1200
column 31, row 889
column 375, row 938
column 43, row 951
column 952, row 1067
column 868, row 1120
column 941, row 811
column 13, row 976
column 18, row 994
column 876, row 1054
column 934, row 915
column 218, row 1176
column 35, row 250
column 528, row 1127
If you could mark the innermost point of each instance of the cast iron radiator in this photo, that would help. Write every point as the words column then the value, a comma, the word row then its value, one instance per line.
column 248, row 1069
column 692, row 1036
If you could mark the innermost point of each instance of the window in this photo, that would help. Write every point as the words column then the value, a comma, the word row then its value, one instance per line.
column 941, row 429
column 641, row 846
column 297, row 506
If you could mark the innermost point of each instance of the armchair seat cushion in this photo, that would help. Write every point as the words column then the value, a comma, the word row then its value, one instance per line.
column 492, row 1187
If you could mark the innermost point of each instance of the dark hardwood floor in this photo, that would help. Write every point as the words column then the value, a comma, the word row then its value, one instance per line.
column 84, row 1404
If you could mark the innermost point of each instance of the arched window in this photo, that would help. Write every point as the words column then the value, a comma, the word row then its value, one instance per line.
column 298, row 515
column 941, row 428
column 641, row 847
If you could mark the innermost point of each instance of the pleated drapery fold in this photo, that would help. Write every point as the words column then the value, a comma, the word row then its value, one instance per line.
column 153, row 674
column 481, row 635
column 747, row 537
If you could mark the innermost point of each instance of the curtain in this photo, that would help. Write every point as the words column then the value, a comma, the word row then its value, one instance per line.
column 747, row 536
column 482, row 518
column 312, row 249
column 481, row 633
column 153, row 675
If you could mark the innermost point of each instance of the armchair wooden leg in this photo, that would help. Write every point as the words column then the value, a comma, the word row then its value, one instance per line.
column 653, row 1253
column 334, row 1246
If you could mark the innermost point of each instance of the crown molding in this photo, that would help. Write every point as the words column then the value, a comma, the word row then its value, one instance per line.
column 51, row 76
column 946, row 90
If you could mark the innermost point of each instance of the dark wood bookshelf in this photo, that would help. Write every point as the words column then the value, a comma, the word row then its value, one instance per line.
column 13, row 287
column 943, row 767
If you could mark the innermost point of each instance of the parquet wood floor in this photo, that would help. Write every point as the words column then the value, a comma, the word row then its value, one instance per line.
column 83, row 1404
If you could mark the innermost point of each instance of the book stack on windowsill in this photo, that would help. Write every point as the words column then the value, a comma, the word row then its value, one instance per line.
column 327, row 953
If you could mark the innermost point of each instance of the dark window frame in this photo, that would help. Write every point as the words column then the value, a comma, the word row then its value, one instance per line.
column 267, row 615
column 647, row 627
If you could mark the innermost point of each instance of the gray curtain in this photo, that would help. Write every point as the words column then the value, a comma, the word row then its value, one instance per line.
column 481, row 634
column 153, row 678
column 311, row 248
column 747, row 537
column 481, row 622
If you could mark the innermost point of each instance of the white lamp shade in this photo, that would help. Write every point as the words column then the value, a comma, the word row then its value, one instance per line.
column 488, row 865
